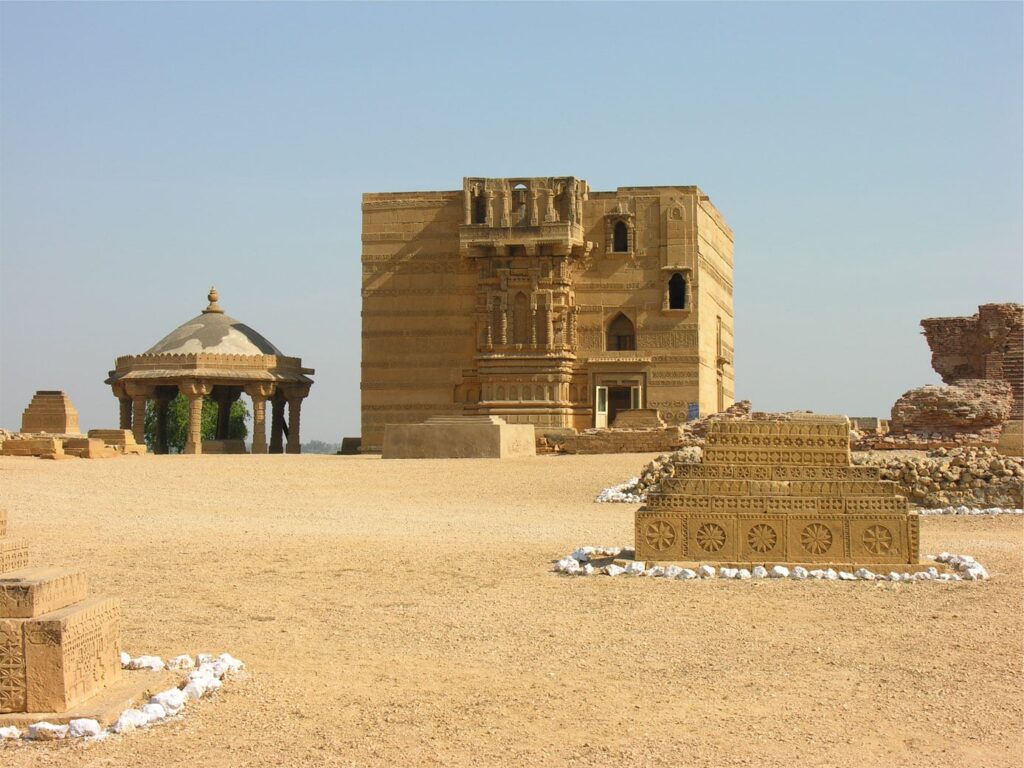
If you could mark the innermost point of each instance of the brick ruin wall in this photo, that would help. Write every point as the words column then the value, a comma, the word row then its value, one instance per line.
column 989, row 345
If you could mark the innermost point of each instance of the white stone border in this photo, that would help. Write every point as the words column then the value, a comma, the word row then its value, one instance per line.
column 578, row 564
column 206, row 675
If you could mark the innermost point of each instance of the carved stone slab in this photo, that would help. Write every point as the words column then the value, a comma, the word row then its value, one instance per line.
column 31, row 592
column 13, row 554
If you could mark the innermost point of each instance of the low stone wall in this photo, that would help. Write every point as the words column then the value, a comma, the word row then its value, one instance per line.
column 624, row 441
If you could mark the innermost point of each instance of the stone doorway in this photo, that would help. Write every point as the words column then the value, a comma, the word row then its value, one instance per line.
column 619, row 399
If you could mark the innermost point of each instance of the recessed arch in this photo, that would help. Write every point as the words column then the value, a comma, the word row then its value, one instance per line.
column 677, row 291
column 621, row 335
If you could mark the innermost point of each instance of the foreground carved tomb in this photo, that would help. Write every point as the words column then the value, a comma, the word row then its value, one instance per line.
column 543, row 302
column 778, row 492
column 459, row 437
column 58, row 646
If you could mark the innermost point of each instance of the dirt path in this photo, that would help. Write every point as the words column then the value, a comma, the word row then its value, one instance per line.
column 403, row 613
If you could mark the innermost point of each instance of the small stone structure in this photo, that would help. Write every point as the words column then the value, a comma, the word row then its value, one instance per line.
column 459, row 437
column 50, row 411
column 778, row 492
column 120, row 440
column 58, row 646
column 213, row 354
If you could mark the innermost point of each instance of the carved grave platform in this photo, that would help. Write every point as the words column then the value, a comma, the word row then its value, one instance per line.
column 459, row 437
column 59, row 648
column 778, row 492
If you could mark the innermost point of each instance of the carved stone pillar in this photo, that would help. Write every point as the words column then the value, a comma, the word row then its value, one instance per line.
column 294, row 413
column 126, row 412
column 467, row 205
column 259, row 394
column 195, row 391
column 506, row 209
column 549, row 327
column 533, row 208
column 571, row 328
column 533, row 324
column 549, row 211
column 277, row 424
column 138, row 393
column 490, row 208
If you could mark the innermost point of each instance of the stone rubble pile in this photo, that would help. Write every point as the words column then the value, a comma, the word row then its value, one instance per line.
column 206, row 676
column 944, row 477
column 579, row 564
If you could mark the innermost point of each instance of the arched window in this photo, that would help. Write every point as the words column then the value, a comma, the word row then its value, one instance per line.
column 519, row 200
column 677, row 292
column 620, row 237
column 521, row 327
column 479, row 209
column 621, row 334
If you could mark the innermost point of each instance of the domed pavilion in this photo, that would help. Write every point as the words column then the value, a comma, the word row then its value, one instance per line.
column 213, row 354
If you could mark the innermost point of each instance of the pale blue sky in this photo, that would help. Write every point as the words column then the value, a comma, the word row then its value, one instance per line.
column 867, row 156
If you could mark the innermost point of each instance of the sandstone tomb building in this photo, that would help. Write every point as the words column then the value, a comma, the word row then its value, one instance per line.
column 542, row 302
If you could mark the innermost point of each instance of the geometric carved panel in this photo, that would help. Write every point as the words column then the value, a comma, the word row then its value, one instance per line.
column 13, row 696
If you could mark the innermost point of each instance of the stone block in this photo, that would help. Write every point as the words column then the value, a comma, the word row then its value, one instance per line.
column 31, row 592
column 58, row 660
column 88, row 448
column 638, row 418
column 13, row 554
column 459, row 438
column 38, row 446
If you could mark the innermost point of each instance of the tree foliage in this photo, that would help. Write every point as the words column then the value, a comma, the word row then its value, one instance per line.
column 177, row 422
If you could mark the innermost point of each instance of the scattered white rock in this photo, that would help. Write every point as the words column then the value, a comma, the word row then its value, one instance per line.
column 779, row 572
column 672, row 571
column 727, row 573
column 181, row 662
column 743, row 574
column 624, row 493
column 172, row 700
column 799, row 572
column 847, row 576
column 759, row 572
column 655, row 571
column 588, row 569
column 154, row 712
column 154, row 663
column 125, row 659
column 45, row 731
column 635, row 567
column 687, row 573
column 964, row 510
column 84, row 727
column 613, row 570
column 706, row 572
column 864, row 573
column 129, row 720
column 10, row 732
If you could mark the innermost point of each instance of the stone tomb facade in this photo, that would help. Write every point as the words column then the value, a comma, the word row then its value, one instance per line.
column 542, row 302
column 50, row 411
column 58, row 646
column 214, row 354
column 778, row 492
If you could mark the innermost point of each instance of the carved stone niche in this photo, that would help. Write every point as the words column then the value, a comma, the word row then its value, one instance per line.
column 620, row 232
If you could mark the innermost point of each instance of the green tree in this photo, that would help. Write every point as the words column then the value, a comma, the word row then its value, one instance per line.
column 177, row 422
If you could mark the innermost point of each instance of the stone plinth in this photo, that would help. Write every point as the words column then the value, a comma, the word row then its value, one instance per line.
column 638, row 418
column 459, row 437
column 88, row 448
column 778, row 492
column 121, row 440
column 47, row 447
column 50, row 411
column 29, row 592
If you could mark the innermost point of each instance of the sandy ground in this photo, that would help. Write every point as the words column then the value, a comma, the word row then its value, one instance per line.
column 404, row 613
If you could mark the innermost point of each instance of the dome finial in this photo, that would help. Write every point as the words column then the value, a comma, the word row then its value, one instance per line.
column 214, row 306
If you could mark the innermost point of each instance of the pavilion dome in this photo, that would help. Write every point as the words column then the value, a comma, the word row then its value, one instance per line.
column 213, row 332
